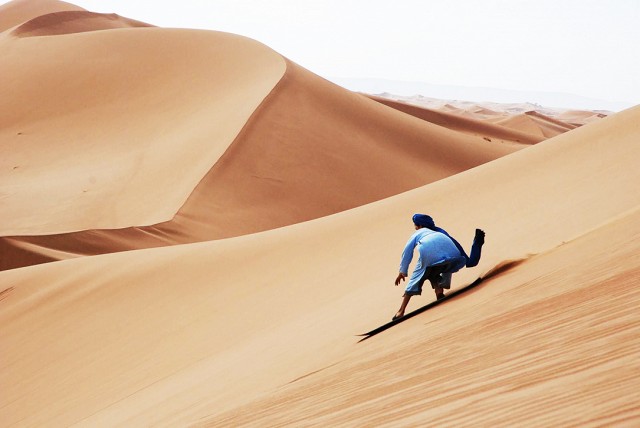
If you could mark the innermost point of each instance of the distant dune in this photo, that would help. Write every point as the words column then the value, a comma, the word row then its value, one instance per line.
column 580, row 117
column 244, row 220
column 480, row 95
column 525, row 122
column 454, row 118
column 536, row 123
column 69, row 22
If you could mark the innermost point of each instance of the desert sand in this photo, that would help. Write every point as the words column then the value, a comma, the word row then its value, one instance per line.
column 194, row 231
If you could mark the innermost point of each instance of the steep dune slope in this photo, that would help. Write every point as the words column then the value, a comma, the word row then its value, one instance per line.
column 314, row 149
column 551, row 342
column 177, row 334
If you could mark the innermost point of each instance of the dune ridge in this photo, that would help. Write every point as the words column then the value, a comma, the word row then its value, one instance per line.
column 16, row 12
column 69, row 22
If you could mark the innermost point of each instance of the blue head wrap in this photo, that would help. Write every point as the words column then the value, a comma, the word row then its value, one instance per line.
column 423, row 220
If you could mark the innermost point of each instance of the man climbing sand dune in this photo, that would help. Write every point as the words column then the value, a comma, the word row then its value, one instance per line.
column 440, row 255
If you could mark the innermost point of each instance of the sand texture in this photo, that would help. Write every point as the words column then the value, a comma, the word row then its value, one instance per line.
column 194, row 230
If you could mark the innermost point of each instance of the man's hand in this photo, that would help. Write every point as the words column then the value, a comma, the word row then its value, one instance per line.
column 401, row 277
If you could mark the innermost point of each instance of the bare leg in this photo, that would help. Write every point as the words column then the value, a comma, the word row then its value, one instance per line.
column 439, row 292
column 405, row 301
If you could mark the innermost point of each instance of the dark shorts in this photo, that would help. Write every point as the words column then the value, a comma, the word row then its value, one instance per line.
column 434, row 275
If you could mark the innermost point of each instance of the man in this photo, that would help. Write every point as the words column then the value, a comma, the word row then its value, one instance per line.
column 440, row 256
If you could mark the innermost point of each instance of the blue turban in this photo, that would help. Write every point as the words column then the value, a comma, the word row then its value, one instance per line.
column 423, row 220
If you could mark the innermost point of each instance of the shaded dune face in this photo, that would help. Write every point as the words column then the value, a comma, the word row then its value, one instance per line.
column 311, row 149
column 69, row 22
column 314, row 149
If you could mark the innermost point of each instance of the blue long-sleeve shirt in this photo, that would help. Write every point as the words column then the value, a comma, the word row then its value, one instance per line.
column 438, row 250
column 434, row 248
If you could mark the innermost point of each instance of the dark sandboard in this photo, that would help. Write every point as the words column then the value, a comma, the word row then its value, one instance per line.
column 420, row 310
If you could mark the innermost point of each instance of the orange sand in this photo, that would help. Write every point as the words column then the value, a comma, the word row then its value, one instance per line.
column 194, row 136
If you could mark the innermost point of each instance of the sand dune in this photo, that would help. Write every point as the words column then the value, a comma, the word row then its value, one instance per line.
column 69, row 22
column 67, row 122
column 17, row 12
column 464, row 124
column 537, row 124
column 580, row 117
column 521, row 122
column 285, row 166
column 318, row 185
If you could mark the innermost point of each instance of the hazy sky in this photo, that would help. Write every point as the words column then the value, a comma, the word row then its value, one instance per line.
column 584, row 47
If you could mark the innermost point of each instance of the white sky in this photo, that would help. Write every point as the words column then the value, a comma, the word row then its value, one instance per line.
column 584, row 47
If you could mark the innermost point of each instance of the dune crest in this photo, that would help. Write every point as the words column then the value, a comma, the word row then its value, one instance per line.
column 69, row 22
column 18, row 11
